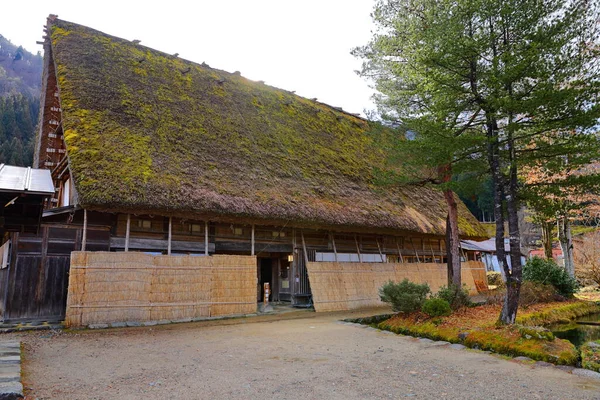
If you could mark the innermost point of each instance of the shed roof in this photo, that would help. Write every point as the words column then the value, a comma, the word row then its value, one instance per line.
column 150, row 132
column 18, row 180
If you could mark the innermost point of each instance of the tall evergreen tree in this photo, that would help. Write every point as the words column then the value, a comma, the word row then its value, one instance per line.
column 491, row 81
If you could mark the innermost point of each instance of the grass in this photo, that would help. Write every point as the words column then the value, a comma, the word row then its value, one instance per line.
column 476, row 328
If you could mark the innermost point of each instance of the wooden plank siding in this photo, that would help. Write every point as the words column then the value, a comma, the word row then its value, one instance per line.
column 34, row 286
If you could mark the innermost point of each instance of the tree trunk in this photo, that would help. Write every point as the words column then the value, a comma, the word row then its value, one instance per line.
column 448, row 252
column 452, row 239
column 508, row 315
column 566, row 244
column 547, row 239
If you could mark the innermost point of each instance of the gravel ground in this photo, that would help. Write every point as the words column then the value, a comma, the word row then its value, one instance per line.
column 314, row 357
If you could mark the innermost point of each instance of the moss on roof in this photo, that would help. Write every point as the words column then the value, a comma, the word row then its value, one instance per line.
column 152, row 132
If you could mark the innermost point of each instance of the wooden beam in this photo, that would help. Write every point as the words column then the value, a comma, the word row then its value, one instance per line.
column 127, row 230
column 416, row 253
column 379, row 248
column 399, row 252
column 332, row 236
column 205, row 238
column 160, row 245
column 357, row 249
column 170, row 236
column 432, row 253
column 252, row 242
column 245, row 247
column 84, row 237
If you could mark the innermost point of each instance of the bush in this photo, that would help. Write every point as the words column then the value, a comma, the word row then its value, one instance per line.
column 546, row 271
column 455, row 296
column 436, row 307
column 494, row 278
column 404, row 296
column 535, row 292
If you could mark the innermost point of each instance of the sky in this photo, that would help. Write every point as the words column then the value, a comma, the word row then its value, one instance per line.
column 294, row 45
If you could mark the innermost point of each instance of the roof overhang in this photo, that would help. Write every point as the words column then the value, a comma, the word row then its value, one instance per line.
column 22, row 194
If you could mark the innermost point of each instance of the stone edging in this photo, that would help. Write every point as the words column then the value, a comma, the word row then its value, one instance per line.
column 587, row 373
column 10, row 370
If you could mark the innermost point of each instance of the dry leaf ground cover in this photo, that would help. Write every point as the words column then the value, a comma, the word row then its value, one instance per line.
column 476, row 327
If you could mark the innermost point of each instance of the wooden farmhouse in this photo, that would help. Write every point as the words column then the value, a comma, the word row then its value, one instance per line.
column 182, row 189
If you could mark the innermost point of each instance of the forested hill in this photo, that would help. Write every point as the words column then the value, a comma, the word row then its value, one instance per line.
column 20, row 80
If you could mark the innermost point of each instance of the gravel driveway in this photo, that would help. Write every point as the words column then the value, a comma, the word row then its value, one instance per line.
column 314, row 357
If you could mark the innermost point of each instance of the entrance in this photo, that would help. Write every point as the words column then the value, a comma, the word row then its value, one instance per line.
column 267, row 272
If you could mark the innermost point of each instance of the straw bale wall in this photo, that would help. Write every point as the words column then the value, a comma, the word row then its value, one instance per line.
column 109, row 287
column 349, row 286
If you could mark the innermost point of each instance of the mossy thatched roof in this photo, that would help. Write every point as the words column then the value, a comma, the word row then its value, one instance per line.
column 149, row 132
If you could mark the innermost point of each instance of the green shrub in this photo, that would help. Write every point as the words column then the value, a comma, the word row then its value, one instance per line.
column 494, row 278
column 404, row 296
column 536, row 292
column 546, row 271
column 455, row 296
column 436, row 307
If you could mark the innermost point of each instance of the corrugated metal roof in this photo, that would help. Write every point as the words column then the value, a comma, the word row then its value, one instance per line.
column 487, row 246
column 25, row 180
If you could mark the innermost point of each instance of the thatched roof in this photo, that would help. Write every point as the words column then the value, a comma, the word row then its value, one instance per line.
column 149, row 132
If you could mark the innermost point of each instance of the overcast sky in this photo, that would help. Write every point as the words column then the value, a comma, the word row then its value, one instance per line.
column 295, row 45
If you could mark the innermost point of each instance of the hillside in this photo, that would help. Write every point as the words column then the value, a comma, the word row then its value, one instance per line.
column 20, row 80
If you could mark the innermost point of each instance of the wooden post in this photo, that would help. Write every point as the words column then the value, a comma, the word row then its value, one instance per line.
column 357, row 249
column 169, row 237
column 252, row 242
column 379, row 248
column 205, row 238
column 84, row 237
column 334, row 248
column 399, row 252
column 127, row 230
column 416, row 253
column 432, row 253
column 304, row 250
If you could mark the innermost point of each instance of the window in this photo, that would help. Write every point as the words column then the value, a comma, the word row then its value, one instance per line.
column 196, row 228
column 238, row 231
column 66, row 193
column 144, row 224
column 350, row 257
column 278, row 234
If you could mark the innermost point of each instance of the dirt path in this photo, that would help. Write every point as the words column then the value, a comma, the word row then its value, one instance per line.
column 309, row 358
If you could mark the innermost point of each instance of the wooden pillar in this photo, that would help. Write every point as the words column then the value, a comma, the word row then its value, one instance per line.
column 413, row 246
column 205, row 238
column 304, row 250
column 399, row 252
column 127, row 230
column 379, row 248
column 252, row 242
column 357, row 249
column 84, row 237
column 169, row 237
column 334, row 248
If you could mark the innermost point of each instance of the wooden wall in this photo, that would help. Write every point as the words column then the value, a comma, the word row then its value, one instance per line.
column 34, row 286
column 349, row 286
column 109, row 287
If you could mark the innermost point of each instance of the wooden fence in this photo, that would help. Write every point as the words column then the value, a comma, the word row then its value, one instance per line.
column 349, row 286
column 112, row 287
